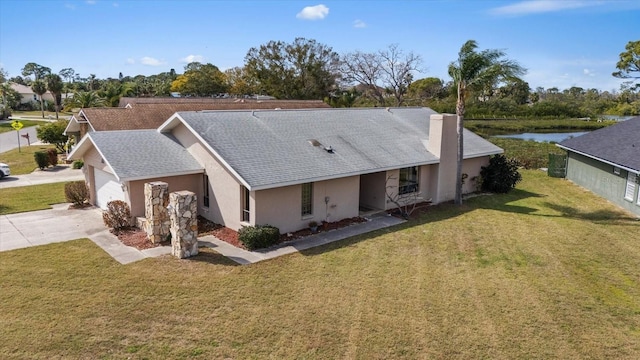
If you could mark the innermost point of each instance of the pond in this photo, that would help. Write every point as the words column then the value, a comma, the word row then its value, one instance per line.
column 543, row 137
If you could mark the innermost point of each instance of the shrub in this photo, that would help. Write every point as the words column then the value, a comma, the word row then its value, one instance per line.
column 117, row 215
column 53, row 133
column 501, row 175
column 42, row 159
column 78, row 164
column 257, row 237
column 76, row 192
column 52, row 154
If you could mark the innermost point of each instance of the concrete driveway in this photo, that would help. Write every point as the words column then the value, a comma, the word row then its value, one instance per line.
column 59, row 173
column 61, row 224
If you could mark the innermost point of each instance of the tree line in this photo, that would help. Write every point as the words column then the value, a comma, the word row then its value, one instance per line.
column 306, row 69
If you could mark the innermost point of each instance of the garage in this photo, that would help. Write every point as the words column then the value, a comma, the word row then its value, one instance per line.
column 107, row 188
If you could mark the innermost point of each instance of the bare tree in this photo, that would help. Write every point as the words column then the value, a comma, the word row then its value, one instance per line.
column 405, row 203
column 386, row 72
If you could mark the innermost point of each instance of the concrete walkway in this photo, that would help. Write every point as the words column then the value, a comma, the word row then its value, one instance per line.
column 59, row 173
column 376, row 222
column 60, row 224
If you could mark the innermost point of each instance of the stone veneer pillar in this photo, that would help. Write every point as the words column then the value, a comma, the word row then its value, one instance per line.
column 183, row 212
column 156, row 200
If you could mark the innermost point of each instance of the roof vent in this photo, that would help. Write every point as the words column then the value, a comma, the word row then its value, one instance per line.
column 329, row 149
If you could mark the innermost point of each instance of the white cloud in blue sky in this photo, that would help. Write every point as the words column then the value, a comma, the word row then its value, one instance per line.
column 192, row 58
column 541, row 6
column 147, row 60
column 317, row 12
column 131, row 61
column 91, row 2
column 359, row 24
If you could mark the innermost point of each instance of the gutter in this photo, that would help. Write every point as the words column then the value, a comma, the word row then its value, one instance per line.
column 637, row 172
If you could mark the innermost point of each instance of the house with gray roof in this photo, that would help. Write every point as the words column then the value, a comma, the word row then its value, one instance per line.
column 285, row 167
column 607, row 162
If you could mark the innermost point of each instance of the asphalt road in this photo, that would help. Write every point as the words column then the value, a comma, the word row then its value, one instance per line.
column 9, row 140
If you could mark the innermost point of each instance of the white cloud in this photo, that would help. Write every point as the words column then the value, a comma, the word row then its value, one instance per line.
column 151, row 61
column 70, row 6
column 359, row 24
column 131, row 61
column 541, row 6
column 317, row 12
column 192, row 58
column 116, row 4
column 588, row 72
column 91, row 2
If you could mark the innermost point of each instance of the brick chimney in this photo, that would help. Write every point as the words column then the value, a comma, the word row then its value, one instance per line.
column 443, row 144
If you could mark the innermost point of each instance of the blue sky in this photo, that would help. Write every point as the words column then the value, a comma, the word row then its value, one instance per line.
column 562, row 43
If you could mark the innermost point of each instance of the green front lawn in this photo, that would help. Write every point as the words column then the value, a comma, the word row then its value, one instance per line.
column 22, row 161
column 30, row 198
column 549, row 271
column 6, row 126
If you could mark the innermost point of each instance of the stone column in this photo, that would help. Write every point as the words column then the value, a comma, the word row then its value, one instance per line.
column 183, row 211
column 156, row 200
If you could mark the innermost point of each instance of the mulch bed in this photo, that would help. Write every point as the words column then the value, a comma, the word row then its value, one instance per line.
column 137, row 238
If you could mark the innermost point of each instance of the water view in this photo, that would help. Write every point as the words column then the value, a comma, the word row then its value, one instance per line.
column 543, row 137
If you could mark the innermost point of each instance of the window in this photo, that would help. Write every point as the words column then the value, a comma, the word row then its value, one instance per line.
column 205, row 196
column 245, row 198
column 630, row 189
column 408, row 180
column 307, row 199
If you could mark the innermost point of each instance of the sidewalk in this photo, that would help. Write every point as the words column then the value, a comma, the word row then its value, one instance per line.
column 59, row 173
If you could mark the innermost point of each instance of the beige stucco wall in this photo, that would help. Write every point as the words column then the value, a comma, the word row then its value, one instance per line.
column 281, row 207
column 135, row 189
column 472, row 168
column 224, row 196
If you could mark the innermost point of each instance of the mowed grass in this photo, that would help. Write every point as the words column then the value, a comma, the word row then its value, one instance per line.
column 6, row 126
column 547, row 271
column 22, row 161
column 30, row 198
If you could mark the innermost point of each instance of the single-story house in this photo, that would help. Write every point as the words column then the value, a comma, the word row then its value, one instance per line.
column 607, row 162
column 149, row 113
column 285, row 167
column 28, row 95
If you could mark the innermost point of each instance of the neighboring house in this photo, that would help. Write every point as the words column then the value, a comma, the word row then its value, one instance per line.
column 285, row 167
column 149, row 113
column 28, row 95
column 607, row 162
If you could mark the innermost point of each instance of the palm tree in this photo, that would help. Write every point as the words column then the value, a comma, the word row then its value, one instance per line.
column 84, row 99
column 55, row 86
column 472, row 69
column 39, row 88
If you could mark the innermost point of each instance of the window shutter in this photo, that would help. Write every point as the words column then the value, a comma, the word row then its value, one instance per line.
column 631, row 186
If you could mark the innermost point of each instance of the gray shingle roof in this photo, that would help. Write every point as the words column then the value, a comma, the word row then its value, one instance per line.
column 270, row 148
column 143, row 154
column 618, row 144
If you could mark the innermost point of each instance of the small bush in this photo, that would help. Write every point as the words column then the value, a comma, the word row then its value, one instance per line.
column 257, row 237
column 501, row 175
column 76, row 192
column 78, row 164
column 52, row 154
column 42, row 159
column 117, row 215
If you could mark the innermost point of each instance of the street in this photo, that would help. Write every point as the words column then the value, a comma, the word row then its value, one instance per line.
column 9, row 140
